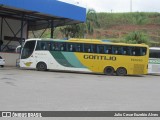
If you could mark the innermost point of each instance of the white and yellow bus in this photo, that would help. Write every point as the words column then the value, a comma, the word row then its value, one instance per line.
column 85, row 55
column 154, row 60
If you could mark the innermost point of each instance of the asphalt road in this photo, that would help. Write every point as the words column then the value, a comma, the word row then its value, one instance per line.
column 30, row 90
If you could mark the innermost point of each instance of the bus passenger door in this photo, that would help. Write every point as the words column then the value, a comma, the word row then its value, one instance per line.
column 27, row 55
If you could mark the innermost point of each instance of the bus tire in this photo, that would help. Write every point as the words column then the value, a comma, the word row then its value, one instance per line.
column 41, row 66
column 121, row 71
column 109, row 70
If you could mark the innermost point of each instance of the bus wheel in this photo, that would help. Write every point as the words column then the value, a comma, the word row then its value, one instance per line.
column 109, row 70
column 121, row 71
column 41, row 66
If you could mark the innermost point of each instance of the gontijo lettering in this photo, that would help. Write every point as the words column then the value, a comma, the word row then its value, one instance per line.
column 97, row 57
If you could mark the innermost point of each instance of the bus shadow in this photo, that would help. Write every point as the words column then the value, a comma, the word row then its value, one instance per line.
column 154, row 74
column 135, row 75
column 87, row 73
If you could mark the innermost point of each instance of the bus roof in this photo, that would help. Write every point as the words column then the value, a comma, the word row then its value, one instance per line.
column 154, row 48
column 78, row 40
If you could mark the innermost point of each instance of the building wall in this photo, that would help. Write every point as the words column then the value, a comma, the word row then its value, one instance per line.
column 15, row 25
column 10, row 58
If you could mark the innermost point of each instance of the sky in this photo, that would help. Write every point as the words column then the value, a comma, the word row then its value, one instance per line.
column 118, row 5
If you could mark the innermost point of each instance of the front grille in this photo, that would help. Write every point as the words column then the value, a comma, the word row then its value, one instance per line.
column 138, row 69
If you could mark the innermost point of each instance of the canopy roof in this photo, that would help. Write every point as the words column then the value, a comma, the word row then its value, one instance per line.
column 39, row 13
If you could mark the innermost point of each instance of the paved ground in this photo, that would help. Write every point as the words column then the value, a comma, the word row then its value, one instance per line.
column 55, row 91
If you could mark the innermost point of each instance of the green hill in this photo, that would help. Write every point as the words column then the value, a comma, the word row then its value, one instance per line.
column 116, row 26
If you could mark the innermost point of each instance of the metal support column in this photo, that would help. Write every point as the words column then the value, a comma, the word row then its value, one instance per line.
column 22, row 22
column 52, row 28
column 1, row 33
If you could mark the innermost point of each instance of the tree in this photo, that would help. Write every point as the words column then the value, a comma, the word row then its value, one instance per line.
column 91, row 21
column 73, row 31
column 79, row 30
column 137, row 37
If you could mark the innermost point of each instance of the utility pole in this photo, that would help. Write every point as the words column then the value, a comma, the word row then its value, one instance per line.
column 130, row 5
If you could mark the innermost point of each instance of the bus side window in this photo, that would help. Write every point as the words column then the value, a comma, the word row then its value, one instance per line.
column 132, row 51
column 54, row 46
column 79, row 47
column 138, row 51
column 38, row 47
column 108, row 49
column 144, row 51
column 94, row 48
column 63, row 46
column 101, row 49
column 43, row 46
column 87, row 48
column 135, row 51
column 119, row 50
column 154, row 53
column 125, row 50
column 71, row 47
column 128, row 50
column 48, row 46
column 114, row 50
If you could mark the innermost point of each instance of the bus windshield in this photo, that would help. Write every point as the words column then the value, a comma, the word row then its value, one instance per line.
column 154, row 53
column 28, row 49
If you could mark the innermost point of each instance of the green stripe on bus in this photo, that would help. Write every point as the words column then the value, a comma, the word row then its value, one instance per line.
column 154, row 61
column 73, row 60
column 59, row 57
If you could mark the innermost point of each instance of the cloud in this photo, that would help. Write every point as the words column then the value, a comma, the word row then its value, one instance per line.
column 123, row 5
column 146, row 6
